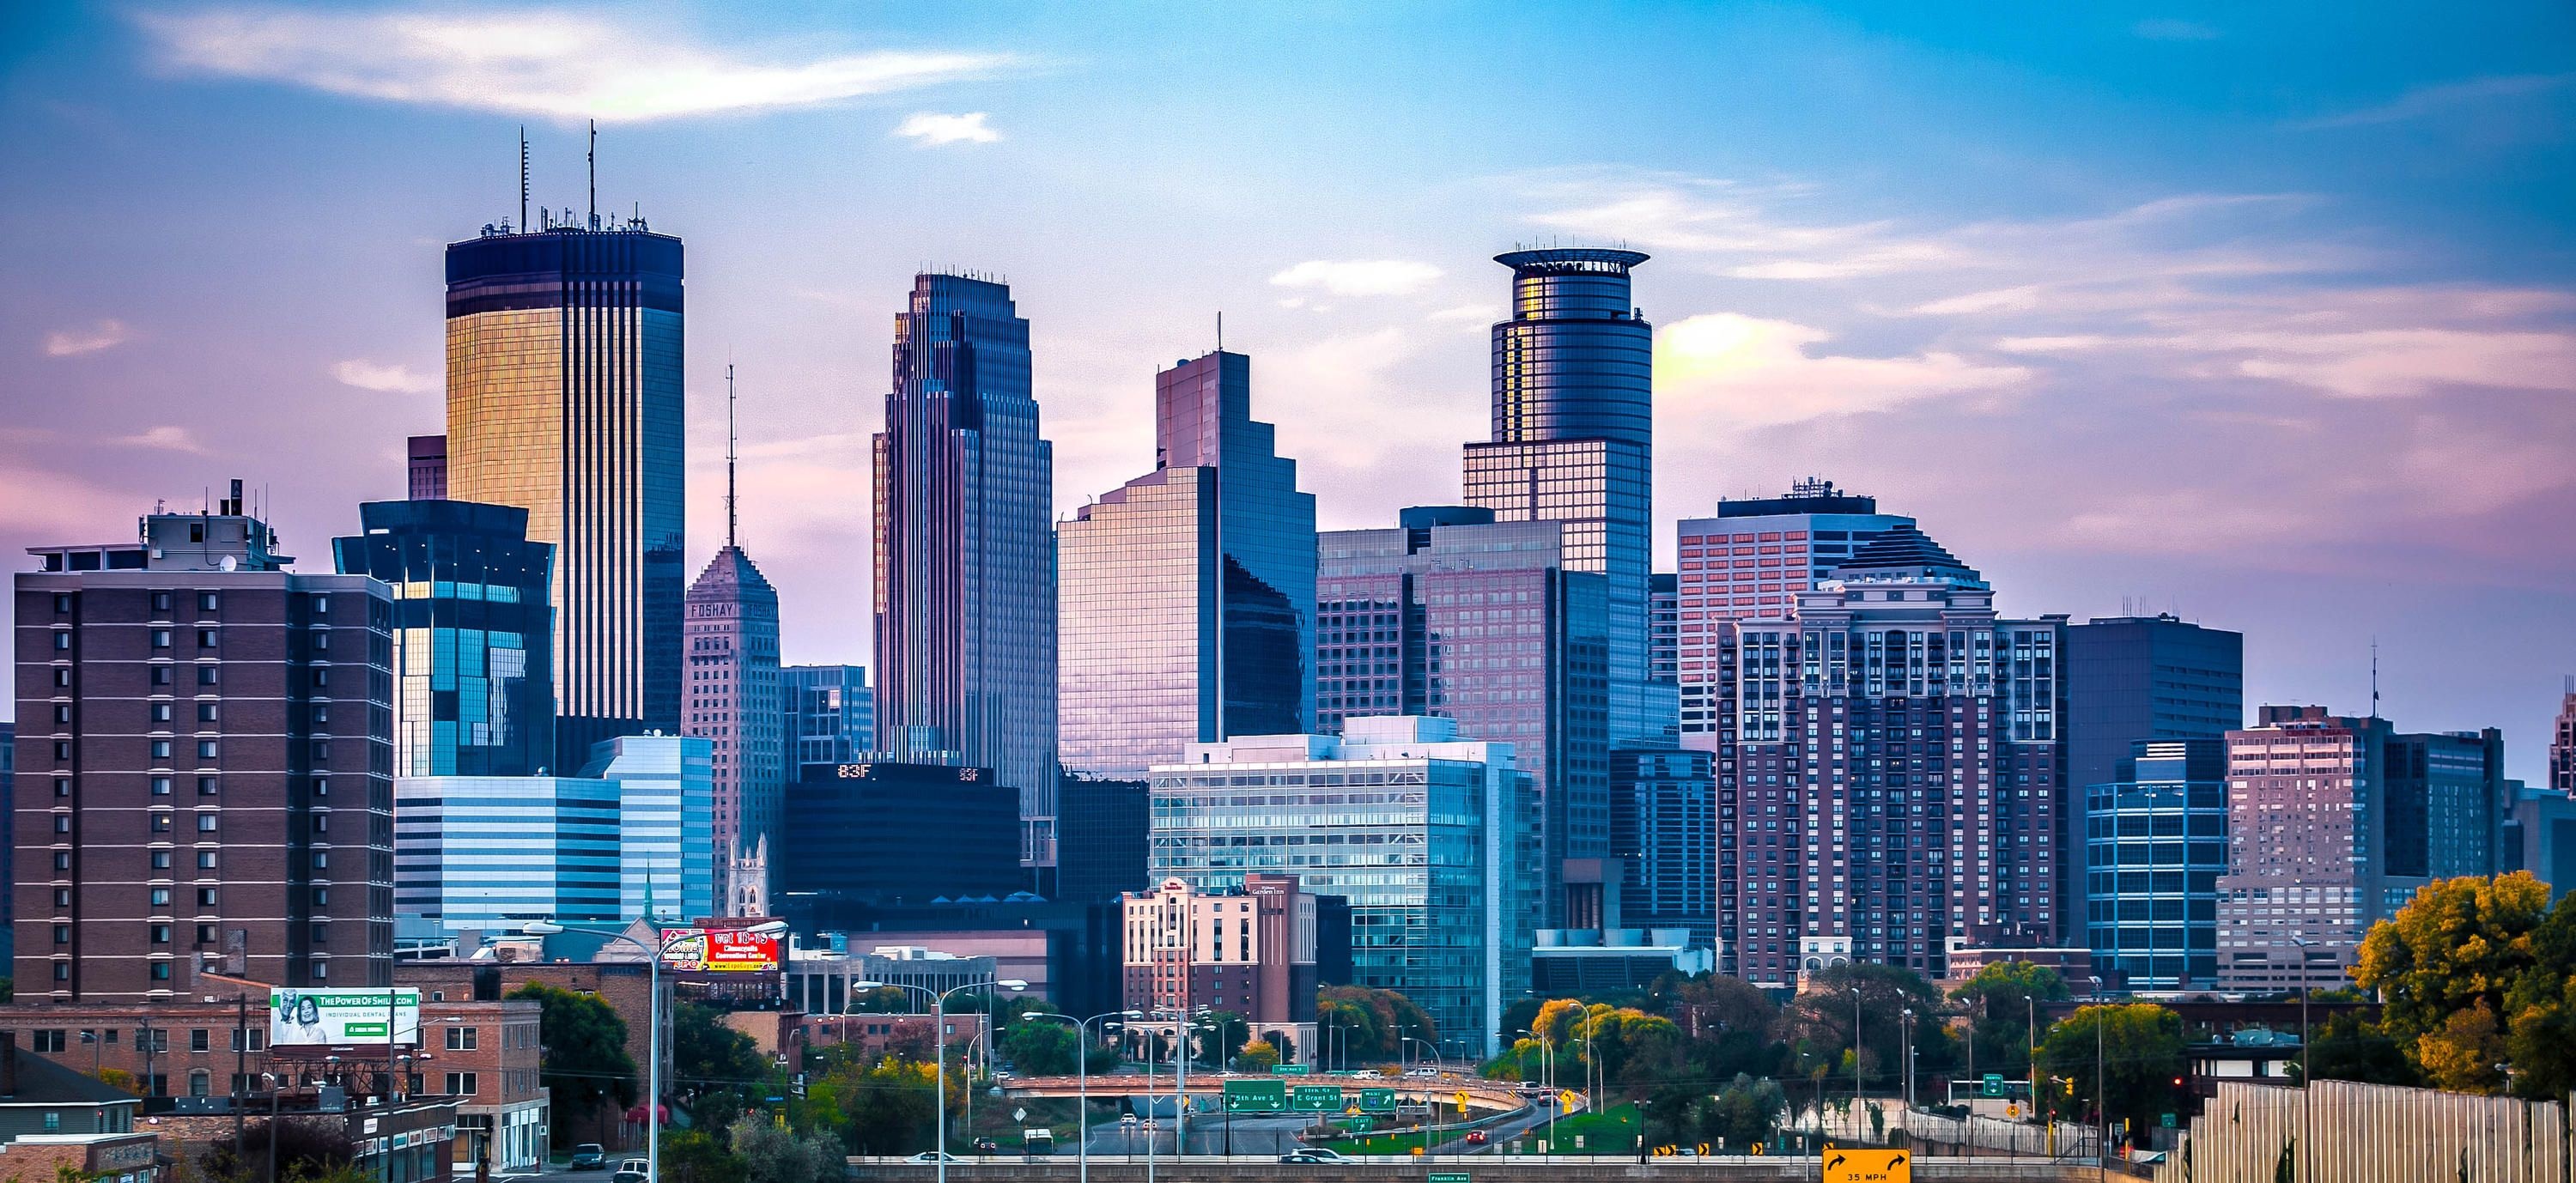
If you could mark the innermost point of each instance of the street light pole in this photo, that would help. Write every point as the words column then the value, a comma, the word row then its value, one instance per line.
column 1082, row 1075
column 2307, row 1090
column 1856, row 1101
column 2101, row 1098
column 1905, row 1054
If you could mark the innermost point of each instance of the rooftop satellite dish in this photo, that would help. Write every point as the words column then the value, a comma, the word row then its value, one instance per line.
column 227, row 564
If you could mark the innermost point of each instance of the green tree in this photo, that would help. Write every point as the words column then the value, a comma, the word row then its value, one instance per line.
column 706, row 1054
column 585, row 1062
column 696, row 1156
column 1378, row 1020
column 772, row 1153
column 890, row 1106
column 2350, row 1047
column 1997, row 1001
column 1746, row 1111
column 2443, row 967
column 2138, row 1056
column 1226, row 1032
column 884, row 1000
column 2540, row 1010
column 1820, row 1020
column 1042, row 1047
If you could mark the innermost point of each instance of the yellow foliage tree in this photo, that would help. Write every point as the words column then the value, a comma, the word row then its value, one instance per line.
column 2443, row 967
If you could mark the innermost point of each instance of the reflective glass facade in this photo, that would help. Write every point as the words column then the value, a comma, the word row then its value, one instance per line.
column 831, row 715
column 1485, row 624
column 665, row 823
column 564, row 398
column 473, row 676
column 1752, row 561
column 1426, row 836
column 1187, row 597
column 2156, row 843
column 1663, row 831
column 965, row 550
column 732, row 699
column 492, row 852
column 1573, row 442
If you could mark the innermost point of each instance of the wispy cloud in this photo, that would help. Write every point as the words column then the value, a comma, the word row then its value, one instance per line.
column 932, row 129
column 1359, row 277
column 2166, row 29
column 1752, row 370
column 2424, row 101
column 167, row 439
column 90, row 338
column 392, row 379
column 528, row 61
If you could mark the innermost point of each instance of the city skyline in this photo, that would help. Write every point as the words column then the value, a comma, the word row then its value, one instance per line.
column 2149, row 374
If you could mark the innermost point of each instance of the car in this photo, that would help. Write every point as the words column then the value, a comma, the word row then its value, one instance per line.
column 633, row 1170
column 1149, row 1125
column 1127, row 1120
column 986, row 1145
column 934, row 1156
column 1475, row 1137
column 589, row 1156
column 1424, row 1072
column 1313, row 1154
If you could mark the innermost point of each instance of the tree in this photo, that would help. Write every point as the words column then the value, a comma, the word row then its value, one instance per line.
column 1820, row 1020
column 706, row 1054
column 2138, row 1055
column 884, row 1000
column 890, row 1106
column 696, row 1156
column 585, row 1062
column 772, row 1153
column 2350, row 1047
column 1378, row 1020
column 1746, row 1112
column 1227, row 1031
column 1042, row 1047
column 308, row 1148
column 1999, row 1016
column 2540, row 1011
column 1256, row 1056
column 2443, row 967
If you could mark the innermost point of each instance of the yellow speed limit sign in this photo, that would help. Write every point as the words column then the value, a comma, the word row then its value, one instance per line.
column 2012, row 1110
column 1867, row 1166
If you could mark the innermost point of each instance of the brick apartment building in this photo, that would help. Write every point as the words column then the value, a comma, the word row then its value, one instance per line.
column 204, row 754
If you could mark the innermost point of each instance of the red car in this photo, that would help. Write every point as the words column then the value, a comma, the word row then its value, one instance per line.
column 1475, row 1137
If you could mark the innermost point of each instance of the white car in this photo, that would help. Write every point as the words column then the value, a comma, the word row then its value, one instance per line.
column 934, row 1156
column 1424, row 1072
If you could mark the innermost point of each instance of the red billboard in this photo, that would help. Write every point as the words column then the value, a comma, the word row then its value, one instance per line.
column 720, row 950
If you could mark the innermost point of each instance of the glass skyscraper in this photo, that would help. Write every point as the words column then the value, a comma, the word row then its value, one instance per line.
column 830, row 715
column 493, row 852
column 1187, row 598
column 1426, row 834
column 564, row 398
column 965, row 550
column 665, row 823
column 1573, row 442
column 2156, row 842
column 473, row 625
column 1455, row 615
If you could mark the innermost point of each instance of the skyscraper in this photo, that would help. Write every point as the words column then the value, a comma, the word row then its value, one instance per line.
column 2562, row 744
column 428, row 469
column 2307, row 864
column 1187, row 602
column 473, row 678
column 831, row 715
column 965, row 550
column 2130, row 678
column 206, row 736
column 565, row 398
column 733, row 700
column 1751, row 561
column 1573, row 442
column 665, row 822
column 1663, row 831
column 2157, row 842
column 2446, row 803
column 1454, row 615
column 1893, row 782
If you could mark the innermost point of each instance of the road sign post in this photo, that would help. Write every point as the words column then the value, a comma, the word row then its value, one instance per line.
column 1256, row 1096
column 1316, row 1098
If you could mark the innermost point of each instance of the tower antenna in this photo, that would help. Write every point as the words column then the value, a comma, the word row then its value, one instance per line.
column 2374, row 677
column 523, row 178
column 729, row 455
column 594, row 174
column 1220, row 330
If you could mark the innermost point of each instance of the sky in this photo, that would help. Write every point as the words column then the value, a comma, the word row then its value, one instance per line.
column 2265, row 315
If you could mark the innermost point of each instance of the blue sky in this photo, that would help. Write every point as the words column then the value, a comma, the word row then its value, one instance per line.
column 2264, row 313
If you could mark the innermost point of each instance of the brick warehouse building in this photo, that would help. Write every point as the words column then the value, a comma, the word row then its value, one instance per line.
column 204, row 758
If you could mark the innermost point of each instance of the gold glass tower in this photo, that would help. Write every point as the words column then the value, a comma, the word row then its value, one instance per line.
column 564, row 397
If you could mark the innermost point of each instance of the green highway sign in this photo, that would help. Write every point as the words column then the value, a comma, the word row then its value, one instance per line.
column 1992, row 1085
column 1290, row 1069
column 1449, row 1177
column 1316, row 1098
column 1377, row 1100
column 1256, row 1096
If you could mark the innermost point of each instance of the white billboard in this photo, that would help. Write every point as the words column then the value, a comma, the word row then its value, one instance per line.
column 343, row 1016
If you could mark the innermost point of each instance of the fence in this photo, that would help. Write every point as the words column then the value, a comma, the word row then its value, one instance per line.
column 2367, row 1133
